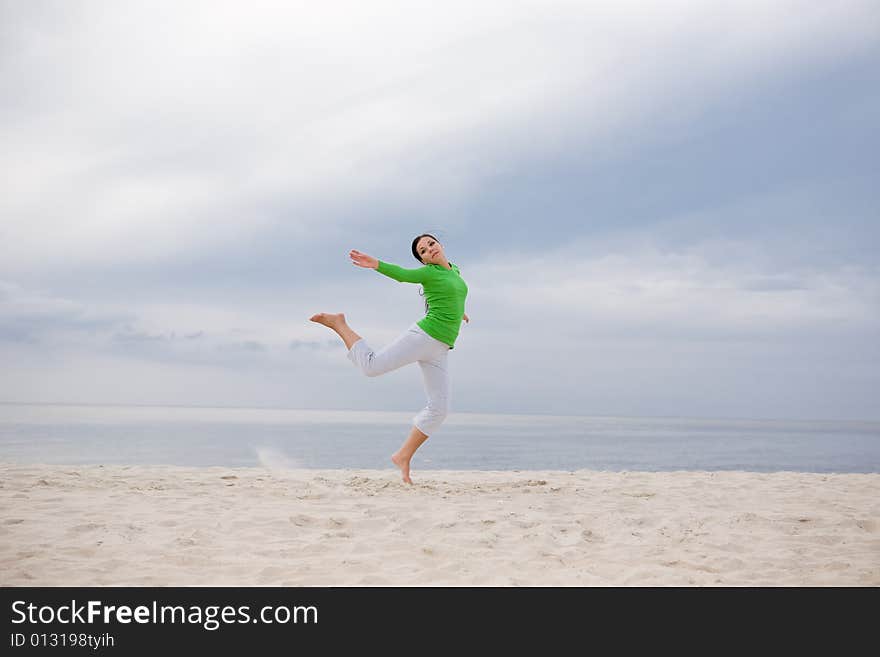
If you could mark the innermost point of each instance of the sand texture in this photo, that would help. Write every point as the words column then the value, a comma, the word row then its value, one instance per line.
column 162, row 525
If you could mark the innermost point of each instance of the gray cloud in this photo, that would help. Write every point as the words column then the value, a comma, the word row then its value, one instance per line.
column 296, row 345
column 774, row 285
column 37, row 317
column 251, row 346
column 142, row 337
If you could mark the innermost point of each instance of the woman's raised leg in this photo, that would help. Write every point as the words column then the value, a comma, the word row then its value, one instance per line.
column 407, row 348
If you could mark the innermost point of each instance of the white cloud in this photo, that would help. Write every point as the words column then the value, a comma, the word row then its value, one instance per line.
column 595, row 291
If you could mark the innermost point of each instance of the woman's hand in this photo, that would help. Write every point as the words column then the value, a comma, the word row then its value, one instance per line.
column 363, row 260
column 465, row 318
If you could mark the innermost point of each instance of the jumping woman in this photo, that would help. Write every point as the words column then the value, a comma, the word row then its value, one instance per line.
column 427, row 342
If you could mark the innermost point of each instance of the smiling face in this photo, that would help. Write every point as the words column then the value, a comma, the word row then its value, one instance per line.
column 430, row 250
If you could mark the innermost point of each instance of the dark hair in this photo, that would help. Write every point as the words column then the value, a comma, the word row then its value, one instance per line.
column 416, row 256
column 416, row 241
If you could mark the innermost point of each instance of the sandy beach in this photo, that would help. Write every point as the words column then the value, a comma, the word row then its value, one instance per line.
column 161, row 525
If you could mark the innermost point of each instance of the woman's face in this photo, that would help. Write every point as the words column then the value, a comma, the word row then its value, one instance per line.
column 429, row 250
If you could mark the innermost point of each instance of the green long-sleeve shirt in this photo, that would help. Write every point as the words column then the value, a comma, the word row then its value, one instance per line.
column 445, row 292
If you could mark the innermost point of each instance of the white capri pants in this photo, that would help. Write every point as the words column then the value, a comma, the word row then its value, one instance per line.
column 431, row 354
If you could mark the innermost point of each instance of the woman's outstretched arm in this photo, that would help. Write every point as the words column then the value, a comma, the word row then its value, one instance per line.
column 391, row 271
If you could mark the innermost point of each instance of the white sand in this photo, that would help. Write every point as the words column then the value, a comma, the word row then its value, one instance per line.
column 119, row 525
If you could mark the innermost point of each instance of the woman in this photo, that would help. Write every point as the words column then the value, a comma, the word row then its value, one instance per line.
column 426, row 342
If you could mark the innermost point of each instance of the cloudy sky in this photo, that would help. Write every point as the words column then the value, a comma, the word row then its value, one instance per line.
column 663, row 209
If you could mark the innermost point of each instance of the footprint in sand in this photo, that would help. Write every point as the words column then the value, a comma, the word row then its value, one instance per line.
column 590, row 536
column 871, row 526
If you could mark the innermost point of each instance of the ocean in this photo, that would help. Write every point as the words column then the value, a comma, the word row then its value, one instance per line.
column 278, row 438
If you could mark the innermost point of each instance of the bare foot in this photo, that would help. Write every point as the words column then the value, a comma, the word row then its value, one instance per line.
column 328, row 319
column 403, row 464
